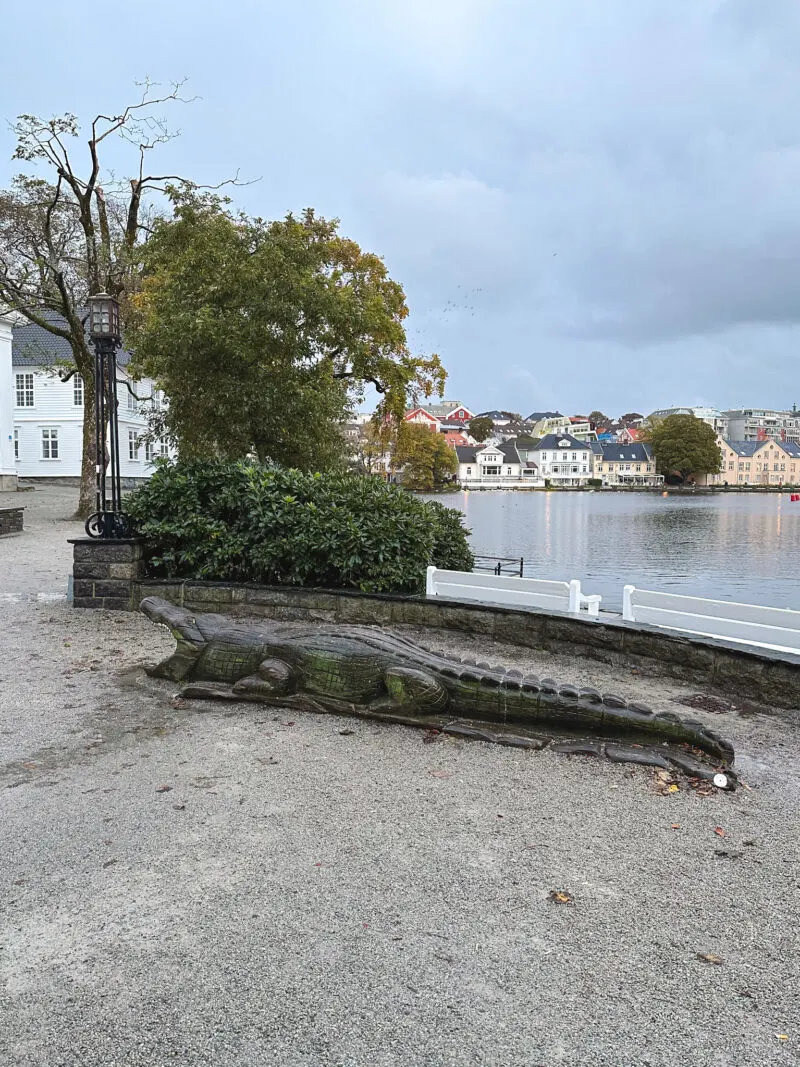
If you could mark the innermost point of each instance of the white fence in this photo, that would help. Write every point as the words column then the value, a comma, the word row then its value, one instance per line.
column 751, row 624
column 775, row 628
column 512, row 592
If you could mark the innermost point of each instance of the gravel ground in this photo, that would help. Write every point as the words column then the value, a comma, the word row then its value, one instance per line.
column 312, row 890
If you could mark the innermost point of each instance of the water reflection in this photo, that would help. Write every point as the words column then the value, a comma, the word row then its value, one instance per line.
column 735, row 547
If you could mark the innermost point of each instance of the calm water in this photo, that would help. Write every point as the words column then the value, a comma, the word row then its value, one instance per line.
column 734, row 546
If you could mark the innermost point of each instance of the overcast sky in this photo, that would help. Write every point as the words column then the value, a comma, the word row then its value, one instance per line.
column 590, row 203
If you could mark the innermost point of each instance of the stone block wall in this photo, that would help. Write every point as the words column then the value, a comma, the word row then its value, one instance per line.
column 110, row 574
column 10, row 520
column 104, row 573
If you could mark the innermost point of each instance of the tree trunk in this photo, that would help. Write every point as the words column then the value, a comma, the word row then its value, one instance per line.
column 88, row 485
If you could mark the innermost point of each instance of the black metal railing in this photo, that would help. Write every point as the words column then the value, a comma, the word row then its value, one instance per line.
column 510, row 565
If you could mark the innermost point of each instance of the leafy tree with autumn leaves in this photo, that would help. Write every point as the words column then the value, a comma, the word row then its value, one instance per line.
column 264, row 335
column 426, row 460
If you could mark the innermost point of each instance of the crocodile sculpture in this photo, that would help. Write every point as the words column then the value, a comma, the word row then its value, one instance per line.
column 365, row 671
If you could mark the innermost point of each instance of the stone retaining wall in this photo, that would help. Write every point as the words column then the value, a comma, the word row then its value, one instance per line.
column 10, row 520
column 771, row 678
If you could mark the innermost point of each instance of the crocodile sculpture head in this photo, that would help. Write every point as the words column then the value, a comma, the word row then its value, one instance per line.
column 370, row 672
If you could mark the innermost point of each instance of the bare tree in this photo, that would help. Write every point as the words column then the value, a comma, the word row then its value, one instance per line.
column 70, row 234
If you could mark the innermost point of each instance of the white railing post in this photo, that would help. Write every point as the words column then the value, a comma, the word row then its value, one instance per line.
column 627, row 605
column 592, row 604
column 430, row 582
column 574, row 595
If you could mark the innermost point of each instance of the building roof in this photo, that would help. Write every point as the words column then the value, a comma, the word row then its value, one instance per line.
column 493, row 415
column 33, row 346
column 469, row 454
column 633, row 453
column 758, row 413
column 596, row 447
column 466, row 453
column 553, row 440
column 747, row 449
column 537, row 416
column 444, row 408
column 698, row 411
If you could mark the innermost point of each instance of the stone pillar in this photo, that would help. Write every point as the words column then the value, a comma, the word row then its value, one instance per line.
column 103, row 572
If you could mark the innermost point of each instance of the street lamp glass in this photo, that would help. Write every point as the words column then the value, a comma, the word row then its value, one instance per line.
column 104, row 317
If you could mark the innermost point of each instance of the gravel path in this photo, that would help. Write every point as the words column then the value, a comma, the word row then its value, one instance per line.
column 312, row 890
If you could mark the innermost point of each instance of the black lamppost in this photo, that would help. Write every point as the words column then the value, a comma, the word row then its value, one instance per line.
column 109, row 520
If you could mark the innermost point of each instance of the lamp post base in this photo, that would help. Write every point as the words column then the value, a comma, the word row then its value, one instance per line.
column 110, row 525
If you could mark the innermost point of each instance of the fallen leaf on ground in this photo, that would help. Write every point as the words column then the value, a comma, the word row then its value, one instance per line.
column 176, row 702
column 710, row 957
column 163, row 789
column 440, row 774
column 559, row 896
column 782, row 1037
column 719, row 831
column 179, row 807
column 430, row 736
column 703, row 787
column 675, row 826
column 731, row 853
column 292, row 723
column 109, row 863
column 672, row 788
column 346, row 733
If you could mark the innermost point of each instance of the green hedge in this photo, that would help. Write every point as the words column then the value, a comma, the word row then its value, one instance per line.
column 221, row 520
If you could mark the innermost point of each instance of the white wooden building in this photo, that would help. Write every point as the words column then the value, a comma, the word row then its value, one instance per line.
column 564, row 460
column 41, row 416
column 502, row 466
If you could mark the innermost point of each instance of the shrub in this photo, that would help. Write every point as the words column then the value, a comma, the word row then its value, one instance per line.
column 595, row 482
column 224, row 520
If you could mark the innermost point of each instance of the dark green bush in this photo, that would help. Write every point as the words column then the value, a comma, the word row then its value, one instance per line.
column 595, row 482
column 222, row 520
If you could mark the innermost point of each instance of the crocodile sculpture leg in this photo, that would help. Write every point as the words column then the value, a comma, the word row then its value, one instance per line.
column 412, row 691
column 273, row 680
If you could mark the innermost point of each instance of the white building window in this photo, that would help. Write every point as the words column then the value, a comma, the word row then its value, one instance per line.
column 131, row 400
column 133, row 445
column 148, row 451
column 49, row 444
column 77, row 391
column 24, row 390
column 16, row 445
column 164, row 447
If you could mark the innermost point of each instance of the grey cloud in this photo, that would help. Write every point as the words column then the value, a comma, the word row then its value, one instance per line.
column 568, row 189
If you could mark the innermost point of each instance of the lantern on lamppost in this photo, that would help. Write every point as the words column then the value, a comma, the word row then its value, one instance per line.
column 109, row 520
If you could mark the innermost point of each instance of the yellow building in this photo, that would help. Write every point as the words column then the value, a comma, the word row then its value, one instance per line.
column 765, row 462
column 621, row 464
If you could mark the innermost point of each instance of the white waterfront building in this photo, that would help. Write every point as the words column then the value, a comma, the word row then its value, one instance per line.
column 564, row 460
column 504, row 466
column 41, row 416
